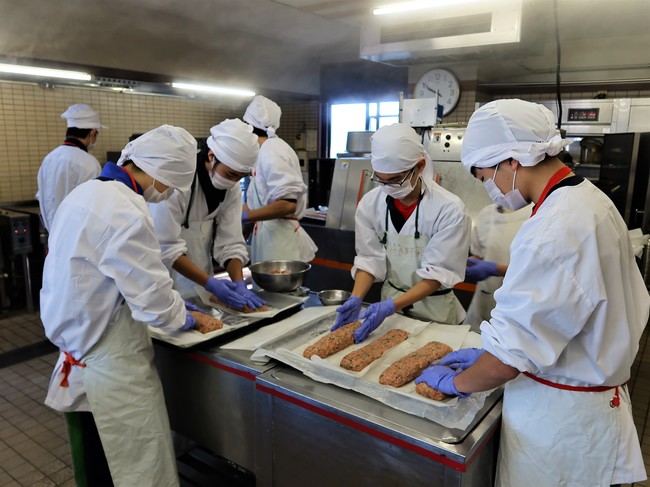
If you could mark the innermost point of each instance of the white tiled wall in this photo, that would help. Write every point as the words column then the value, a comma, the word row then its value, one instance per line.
column 30, row 124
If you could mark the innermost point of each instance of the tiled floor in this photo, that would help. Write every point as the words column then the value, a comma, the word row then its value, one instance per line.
column 33, row 442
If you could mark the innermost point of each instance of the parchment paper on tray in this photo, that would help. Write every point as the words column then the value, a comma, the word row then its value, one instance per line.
column 452, row 413
column 276, row 303
column 190, row 338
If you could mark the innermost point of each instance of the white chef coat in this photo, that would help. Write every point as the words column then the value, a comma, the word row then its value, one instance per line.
column 492, row 235
column 217, row 234
column 277, row 176
column 442, row 220
column 62, row 170
column 571, row 310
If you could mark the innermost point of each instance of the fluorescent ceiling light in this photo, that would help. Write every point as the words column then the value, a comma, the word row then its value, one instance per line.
column 213, row 89
column 416, row 5
column 44, row 72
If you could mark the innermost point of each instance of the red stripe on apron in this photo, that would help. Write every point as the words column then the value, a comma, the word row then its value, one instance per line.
column 615, row 402
column 68, row 363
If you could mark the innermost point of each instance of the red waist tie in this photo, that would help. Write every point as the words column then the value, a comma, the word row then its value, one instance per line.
column 615, row 402
column 67, row 367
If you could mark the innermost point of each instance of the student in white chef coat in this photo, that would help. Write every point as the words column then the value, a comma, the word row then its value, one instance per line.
column 277, row 195
column 411, row 234
column 204, row 221
column 70, row 164
column 492, row 235
column 568, row 317
column 103, row 283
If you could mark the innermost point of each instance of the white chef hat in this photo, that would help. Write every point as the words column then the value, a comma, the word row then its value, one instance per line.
column 234, row 144
column 166, row 153
column 263, row 114
column 82, row 116
column 510, row 128
column 395, row 148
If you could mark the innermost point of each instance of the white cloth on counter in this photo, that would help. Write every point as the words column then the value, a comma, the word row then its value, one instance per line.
column 442, row 218
column 103, row 251
column 571, row 310
column 62, row 170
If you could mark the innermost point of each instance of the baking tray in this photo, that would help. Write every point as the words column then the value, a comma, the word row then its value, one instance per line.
column 453, row 412
column 276, row 302
column 231, row 321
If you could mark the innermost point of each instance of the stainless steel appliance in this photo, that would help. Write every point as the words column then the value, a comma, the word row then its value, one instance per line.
column 351, row 180
column 16, row 243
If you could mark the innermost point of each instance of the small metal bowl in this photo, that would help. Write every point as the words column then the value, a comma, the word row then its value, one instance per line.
column 279, row 276
column 333, row 296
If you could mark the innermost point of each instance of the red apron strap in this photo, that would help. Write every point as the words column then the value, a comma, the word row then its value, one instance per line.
column 67, row 367
column 615, row 402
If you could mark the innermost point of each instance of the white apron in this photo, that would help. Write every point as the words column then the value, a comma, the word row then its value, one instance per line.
column 124, row 393
column 279, row 239
column 552, row 437
column 199, row 237
column 403, row 259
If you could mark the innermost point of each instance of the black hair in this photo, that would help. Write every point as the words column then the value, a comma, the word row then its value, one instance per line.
column 77, row 132
column 259, row 132
column 202, row 155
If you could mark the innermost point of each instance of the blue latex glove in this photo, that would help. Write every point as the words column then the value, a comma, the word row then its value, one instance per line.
column 478, row 270
column 461, row 359
column 442, row 379
column 244, row 216
column 252, row 300
column 190, row 322
column 373, row 317
column 226, row 292
column 347, row 312
column 192, row 307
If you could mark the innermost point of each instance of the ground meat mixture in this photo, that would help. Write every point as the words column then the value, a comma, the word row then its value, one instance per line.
column 333, row 342
column 409, row 367
column 360, row 359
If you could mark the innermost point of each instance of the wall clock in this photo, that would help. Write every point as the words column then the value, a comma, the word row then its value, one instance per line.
column 440, row 81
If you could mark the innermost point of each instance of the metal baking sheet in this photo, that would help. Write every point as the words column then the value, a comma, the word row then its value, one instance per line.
column 452, row 412
column 231, row 321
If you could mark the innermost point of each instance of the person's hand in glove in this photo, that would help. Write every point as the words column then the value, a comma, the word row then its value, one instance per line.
column 442, row 379
column 479, row 270
column 226, row 292
column 252, row 300
column 461, row 359
column 192, row 307
column 373, row 316
column 347, row 312
column 190, row 322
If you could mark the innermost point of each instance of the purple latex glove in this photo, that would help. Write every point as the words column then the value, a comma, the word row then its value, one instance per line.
column 192, row 307
column 244, row 217
column 190, row 322
column 226, row 292
column 461, row 359
column 253, row 301
column 347, row 312
column 478, row 270
column 373, row 317
column 442, row 379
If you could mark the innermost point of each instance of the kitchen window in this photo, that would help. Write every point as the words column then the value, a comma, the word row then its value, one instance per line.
column 355, row 117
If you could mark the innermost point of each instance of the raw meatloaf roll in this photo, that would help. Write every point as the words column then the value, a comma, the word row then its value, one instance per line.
column 360, row 359
column 409, row 367
column 206, row 323
column 333, row 342
column 429, row 392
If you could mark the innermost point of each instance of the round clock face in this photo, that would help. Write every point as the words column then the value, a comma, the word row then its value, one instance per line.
column 444, row 83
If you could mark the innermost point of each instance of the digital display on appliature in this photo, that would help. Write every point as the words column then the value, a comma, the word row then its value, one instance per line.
column 583, row 114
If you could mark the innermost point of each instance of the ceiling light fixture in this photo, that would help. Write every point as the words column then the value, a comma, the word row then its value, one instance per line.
column 44, row 72
column 394, row 8
column 213, row 89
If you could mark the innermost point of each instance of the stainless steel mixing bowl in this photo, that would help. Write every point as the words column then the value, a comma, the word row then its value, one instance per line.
column 333, row 296
column 279, row 276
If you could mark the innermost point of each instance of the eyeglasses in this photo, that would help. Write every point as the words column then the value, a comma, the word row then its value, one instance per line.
column 392, row 184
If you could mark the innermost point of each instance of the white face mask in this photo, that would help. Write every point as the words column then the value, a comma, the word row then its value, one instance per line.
column 90, row 146
column 513, row 200
column 399, row 192
column 219, row 182
column 152, row 195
